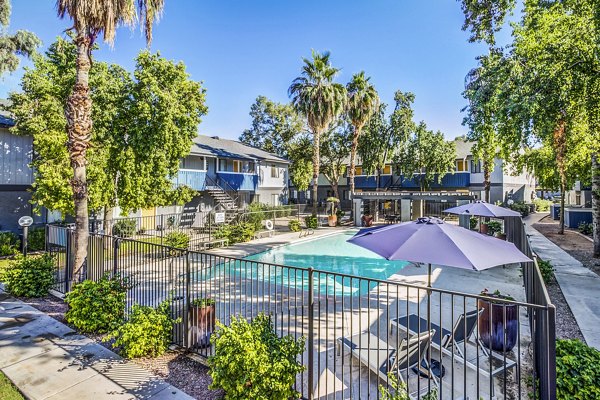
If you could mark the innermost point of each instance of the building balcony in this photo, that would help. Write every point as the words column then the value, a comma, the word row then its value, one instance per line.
column 449, row 181
column 370, row 182
column 193, row 178
column 237, row 181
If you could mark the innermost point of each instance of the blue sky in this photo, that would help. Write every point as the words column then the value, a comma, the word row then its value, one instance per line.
column 242, row 49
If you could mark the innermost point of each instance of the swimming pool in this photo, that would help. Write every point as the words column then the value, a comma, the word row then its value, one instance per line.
column 330, row 254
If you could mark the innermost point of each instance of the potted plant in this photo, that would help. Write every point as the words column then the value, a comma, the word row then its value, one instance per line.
column 498, row 323
column 202, row 321
column 493, row 227
column 332, row 217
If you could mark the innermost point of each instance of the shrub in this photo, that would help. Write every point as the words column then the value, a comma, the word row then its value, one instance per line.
column 473, row 223
column 494, row 227
column 586, row 228
column 124, row 228
column 577, row 372
column 294, row 225
column 180, row 240
column 311, row 221
column 252, row 362
column 147, row 332
column 520, row 207
column 340, row 214
column 546, row 270
column 29, row 276
column 400, row 391
column 242, row 232
column 9, row 244
column 97, row 306
column 36, row 239
column 542, row 205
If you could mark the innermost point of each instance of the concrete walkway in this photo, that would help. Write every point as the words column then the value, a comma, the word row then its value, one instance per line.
column 580, row 286
column 46, row 359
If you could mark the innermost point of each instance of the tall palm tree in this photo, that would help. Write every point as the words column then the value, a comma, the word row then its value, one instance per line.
column 90, row 19
column 315, row 96
column 363, row 102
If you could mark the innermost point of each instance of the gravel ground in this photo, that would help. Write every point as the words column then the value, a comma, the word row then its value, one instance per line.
column 174, row 367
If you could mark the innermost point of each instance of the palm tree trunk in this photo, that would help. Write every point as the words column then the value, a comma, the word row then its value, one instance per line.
column 352, row 173
column 79, row 124
column 560, row 141
column 316, row 166
column 596, row 202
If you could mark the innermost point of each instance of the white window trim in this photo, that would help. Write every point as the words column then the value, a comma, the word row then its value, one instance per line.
column 232, row 172
column 192, row 169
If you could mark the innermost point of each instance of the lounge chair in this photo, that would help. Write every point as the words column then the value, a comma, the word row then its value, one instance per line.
column 453, row 342
column 383, row 359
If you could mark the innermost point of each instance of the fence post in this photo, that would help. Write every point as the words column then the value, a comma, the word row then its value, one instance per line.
column 116, row 243
column 551, row 351
column 68, row 259
column 186, row 308
column 162, row 227
column 311, row 335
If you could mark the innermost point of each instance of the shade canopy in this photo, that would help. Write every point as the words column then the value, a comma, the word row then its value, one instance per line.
column 432, row 241
column 483, row 209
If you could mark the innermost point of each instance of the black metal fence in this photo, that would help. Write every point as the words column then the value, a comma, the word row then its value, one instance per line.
column 357, row 329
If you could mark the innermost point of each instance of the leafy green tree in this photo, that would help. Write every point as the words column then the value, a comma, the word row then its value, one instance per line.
column 320, row 100
column 363, row 102
column 427, row 157
column 485, row 17
column 335, row 149
column 90, row 19
column 143, row 125
column 278, row 129
column 22, row 43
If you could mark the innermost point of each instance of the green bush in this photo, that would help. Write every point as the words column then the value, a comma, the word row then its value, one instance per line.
column 520, row 207
column 251, row 362
column 294, row 225
column 473, row 223
column 9, row 244
column 147, row 332
column 400, row 391
column 546, row 270
column 242, row 232
column 29, row 276
column 124, row 228
column 311, row 221
column 586, row 228
column 180, row 240
column 494, row 227
column 97, row 306
column 542, row 205
column 577, row 372
column 36, row 239
column 340, row 214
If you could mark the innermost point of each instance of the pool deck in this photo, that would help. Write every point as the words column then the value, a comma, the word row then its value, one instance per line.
column 340, row 375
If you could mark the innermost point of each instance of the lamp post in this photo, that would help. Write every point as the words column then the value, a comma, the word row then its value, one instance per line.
column 25, row 222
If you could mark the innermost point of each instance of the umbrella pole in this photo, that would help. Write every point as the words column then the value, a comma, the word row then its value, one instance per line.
column 429, row 317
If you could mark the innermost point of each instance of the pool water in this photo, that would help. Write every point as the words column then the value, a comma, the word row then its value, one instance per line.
column 330, row 254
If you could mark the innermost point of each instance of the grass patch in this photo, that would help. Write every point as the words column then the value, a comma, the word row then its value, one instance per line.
column 7, row 390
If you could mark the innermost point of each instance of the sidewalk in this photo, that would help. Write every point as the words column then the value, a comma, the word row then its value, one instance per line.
column 579, row 285
column 46, row 359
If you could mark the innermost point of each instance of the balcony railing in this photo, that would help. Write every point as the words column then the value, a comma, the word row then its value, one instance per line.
column 456, row 180
column 370, row 182
column 194, row 179
column 239, row 181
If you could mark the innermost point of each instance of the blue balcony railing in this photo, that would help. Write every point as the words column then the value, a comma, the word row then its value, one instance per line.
column 449, row 181
column 238, row 181
column 194, row 179
column 370, row 182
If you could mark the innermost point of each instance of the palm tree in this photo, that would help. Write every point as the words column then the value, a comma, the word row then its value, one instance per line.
column 363, row 102
column 90, row 19
column 315, row 96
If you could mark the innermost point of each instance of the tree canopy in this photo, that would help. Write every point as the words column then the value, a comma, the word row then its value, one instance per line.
column 21, row 43
column 144, row 124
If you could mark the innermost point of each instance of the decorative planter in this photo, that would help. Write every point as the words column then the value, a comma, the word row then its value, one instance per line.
column 202, row 324
column 501, row 236
column 483, row 228
column 497, row 330
column 332, row 220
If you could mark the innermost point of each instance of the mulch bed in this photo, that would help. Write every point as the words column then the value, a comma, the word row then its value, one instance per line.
column 174, row 367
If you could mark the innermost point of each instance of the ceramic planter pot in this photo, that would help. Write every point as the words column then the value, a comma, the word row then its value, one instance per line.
column 332, row 220
column 501, row 236
column 498, row 328
column 202, row 324
column 483, row 228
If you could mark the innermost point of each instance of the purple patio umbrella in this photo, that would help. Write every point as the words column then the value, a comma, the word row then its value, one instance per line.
column 432, row 241
column 482, row 209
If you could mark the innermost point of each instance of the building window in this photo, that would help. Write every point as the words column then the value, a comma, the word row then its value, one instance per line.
column 238, row 166
column 274, row 171
column 275, row 199
column 387, row 170
column 358, row 171
column 193, row 162
column 461, row 166
column 475, row 166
